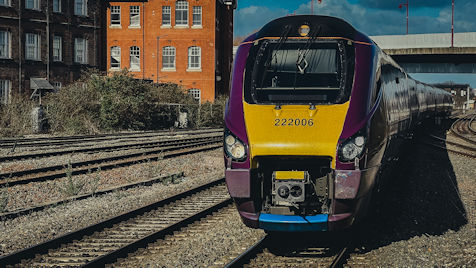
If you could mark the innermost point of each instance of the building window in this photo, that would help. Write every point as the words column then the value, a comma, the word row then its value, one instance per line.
column 57, row 6
column 116, row 15
column 195, row 93
column 135, row 58
column 5, row 45
column 81, row 7
column 57, row 85
column 197, row 16
column 5, row 89
column 134, row 16
column 5, row 3
column 57, row 48
column 116, row 58
column 32, row 4
column 166, row 15
column 32, row 47
column 81, row 50
column 181, row 13
column 194, row 58
column 168, row 58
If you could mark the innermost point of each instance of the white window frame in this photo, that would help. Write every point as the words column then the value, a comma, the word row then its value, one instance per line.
column 134, row 58
column 6, row 3
column 32, row 4
column 181, row 13
column 194, row 58
column 32, row 46
column 116, row 54
column 57, row 48
column 5, row 91
column 5, row 45
column 80, row 50
column 57, row 6
column 166, row 10
column 168, row 53
column 197, row 16
column 115, row 10
column 134, row 17
column 57, row 85
column 81, row 7
column 196, row 94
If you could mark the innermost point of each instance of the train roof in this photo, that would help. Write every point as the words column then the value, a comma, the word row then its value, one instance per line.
column 322, row 26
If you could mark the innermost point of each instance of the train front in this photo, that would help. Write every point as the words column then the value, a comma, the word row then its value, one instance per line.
column 297, row 125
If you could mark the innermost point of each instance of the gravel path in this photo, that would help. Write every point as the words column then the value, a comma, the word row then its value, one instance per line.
column 40, row 226
column 428, row 217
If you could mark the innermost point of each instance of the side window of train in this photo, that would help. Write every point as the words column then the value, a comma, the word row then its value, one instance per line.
column 376, row 91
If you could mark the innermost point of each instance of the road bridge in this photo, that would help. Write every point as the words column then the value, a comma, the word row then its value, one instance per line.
column 431, row 53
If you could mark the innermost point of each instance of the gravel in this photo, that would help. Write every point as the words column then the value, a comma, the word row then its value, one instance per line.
column 428, row 217
column 210, row 242
column 40, row 226
column 36, row 193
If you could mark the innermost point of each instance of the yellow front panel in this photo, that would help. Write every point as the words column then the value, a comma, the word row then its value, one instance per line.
column 294, row 129
column 289, row 175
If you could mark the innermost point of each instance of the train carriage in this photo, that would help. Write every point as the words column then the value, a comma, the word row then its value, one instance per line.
column 315, row 108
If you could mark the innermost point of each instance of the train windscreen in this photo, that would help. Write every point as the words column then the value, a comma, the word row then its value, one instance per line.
column 297, row 72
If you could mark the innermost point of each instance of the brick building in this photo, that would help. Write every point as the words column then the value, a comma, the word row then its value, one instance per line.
column 463, row 94
column 185, row 42
column 52, row 39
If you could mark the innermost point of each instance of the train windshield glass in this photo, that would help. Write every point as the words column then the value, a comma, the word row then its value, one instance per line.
column 297, row 72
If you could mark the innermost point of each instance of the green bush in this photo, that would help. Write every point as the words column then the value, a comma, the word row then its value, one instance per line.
column 15, row 117
column 109, row 103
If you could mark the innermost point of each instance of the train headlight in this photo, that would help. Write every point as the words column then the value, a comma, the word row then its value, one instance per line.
column 351, row 148
column 234, row 148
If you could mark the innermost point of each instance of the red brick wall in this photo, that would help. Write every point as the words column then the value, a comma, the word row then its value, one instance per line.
column 181, row 38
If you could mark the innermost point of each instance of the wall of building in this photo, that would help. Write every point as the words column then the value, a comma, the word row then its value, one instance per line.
column 151, row 37
column 18, row 21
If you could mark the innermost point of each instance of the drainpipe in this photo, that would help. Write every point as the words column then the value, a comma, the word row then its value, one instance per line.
column 19, row 49
column 143, row 41
column 47, row 41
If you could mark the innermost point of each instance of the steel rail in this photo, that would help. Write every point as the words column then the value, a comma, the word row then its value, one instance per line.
column 53, row 172
column 48, row 141
column 148, row 144
column 244, row 257
column 342, row 257
column 470, row 126
column 20, row 212
column 45, row 247
column 469, row 148
column 455, row 130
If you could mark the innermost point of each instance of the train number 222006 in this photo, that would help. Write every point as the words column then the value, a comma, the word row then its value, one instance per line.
column 293, row 122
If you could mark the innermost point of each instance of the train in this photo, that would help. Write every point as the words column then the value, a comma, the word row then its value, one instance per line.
column 316, row 110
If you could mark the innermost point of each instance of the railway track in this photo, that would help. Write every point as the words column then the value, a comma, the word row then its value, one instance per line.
column 20, row 212
column 48, row 173
column 105, row 242
column 462, row 128
column 68, row 140
column 126, row 146
column 302, row 254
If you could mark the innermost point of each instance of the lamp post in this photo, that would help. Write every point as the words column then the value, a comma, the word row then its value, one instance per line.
column 452, row 22
column 407, row 6
column 312, row 5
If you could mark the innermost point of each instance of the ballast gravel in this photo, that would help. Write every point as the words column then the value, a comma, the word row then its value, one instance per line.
column 428, row 215
column 36, row 193
column 41, row 226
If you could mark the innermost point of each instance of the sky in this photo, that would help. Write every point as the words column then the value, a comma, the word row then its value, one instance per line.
column 372, row 17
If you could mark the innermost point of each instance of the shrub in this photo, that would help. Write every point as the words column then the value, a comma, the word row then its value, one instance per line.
column 74, row 109
column 15, row 117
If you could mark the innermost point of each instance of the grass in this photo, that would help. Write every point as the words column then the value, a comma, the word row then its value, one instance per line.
column 71, row 187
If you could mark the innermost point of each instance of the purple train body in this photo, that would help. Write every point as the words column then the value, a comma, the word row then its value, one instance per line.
column 315, row 68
